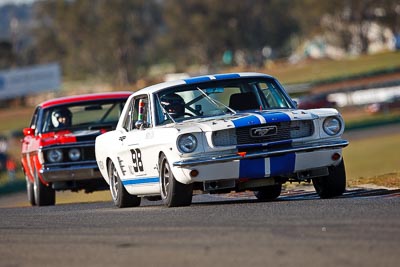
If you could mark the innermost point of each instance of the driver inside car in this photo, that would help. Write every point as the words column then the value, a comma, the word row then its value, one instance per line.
column 174, row 105
column 61, row 118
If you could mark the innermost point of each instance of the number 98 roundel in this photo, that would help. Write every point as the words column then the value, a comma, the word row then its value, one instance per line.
column 137, row 160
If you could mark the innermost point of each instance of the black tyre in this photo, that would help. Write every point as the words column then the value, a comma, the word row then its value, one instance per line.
column 30, row 193
column 120, row 196
column 332, row 185
column 268, row 193
column 45, row 195
column 173, row 193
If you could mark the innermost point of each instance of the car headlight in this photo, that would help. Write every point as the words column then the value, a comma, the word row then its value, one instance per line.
column 74, row 154
column 54, row 155
column 332, row 125
column 187, row 143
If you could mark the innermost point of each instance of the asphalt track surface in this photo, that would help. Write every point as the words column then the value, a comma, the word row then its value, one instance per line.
column 362, row 228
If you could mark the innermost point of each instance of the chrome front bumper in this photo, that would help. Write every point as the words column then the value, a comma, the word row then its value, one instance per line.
column 262, row 154
column 70, row 173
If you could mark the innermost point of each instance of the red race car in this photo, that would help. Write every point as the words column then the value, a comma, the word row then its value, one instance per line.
column 58, row 146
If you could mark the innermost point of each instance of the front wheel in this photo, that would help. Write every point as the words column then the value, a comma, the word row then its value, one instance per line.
column 268, row 193
column 120, row 196
column 44, row 194
column 332, row 185
column 173, row 193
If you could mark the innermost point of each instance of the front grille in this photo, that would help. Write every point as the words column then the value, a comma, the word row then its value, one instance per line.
column 87, row 151
column 224, row 137
column 269, row 133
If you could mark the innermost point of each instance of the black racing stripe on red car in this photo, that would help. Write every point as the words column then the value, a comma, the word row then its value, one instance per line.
column 82, row 138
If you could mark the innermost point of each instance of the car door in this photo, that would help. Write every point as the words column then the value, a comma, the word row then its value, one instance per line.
column 30, row 146
column 137, row 164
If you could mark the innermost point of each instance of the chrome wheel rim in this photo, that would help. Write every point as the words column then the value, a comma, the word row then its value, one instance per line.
column 114, row 183
column 165, row 179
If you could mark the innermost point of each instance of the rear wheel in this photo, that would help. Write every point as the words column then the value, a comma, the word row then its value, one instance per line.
column 44, row 194
column 173, row 193
column 30, row 192
column 268, row 193
column 120, row 196
column 332, row 185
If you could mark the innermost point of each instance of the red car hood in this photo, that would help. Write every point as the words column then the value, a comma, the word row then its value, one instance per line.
column 68, row 136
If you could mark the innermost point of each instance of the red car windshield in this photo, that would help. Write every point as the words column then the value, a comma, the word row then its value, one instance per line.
column 82, row 116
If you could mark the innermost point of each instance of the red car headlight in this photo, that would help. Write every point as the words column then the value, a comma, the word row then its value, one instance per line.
column 54, row 155
column 74, row 154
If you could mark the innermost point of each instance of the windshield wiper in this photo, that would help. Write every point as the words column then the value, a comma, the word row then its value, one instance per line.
column 217, row 103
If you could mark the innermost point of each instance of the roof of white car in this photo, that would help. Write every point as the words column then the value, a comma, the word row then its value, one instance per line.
column 160, row 86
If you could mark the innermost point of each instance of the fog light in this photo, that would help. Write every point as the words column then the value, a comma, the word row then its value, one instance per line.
column 194, row 173
column 336, row 156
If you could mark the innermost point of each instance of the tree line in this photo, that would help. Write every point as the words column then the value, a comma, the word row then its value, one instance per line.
column 121, row 40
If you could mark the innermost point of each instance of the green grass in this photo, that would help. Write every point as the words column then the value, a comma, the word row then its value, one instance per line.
column 374, row 157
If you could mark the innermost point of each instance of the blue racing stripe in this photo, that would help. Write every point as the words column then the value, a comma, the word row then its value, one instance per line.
column 246, row 121
column 282, row 164
column 271, row 117
column 141, row 181
column 197, row 79
column 227, row 76
column 252, row 168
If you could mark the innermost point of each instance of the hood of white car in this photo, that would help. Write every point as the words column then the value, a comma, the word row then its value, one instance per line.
column 244, row 119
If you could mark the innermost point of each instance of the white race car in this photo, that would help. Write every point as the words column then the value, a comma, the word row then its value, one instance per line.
column 217, row 134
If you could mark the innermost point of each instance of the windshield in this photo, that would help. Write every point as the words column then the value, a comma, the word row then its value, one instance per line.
column 102, row 114
column 219, row 98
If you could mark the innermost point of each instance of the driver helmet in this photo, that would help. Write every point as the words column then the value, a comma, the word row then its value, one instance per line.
column 174, row 105
column 61, row 118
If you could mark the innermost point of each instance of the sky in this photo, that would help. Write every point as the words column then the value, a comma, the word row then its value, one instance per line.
column 3, row 2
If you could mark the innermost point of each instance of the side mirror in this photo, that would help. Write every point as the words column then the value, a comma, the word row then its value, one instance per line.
column 296, row 105
column 28, row 131
column 141, row 124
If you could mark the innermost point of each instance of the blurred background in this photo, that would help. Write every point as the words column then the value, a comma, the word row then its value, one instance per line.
column 343, row 54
